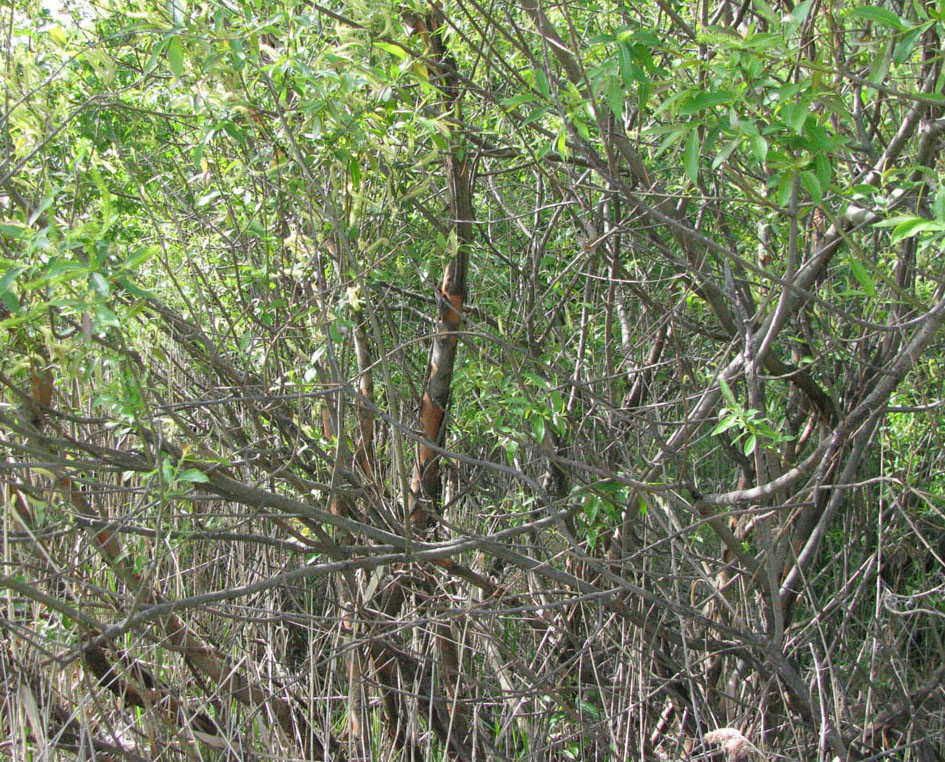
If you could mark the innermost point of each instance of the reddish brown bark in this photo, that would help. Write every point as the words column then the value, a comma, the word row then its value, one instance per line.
column 425, row 485
column 440, row 700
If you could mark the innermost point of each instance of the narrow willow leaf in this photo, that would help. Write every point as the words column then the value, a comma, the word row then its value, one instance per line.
column 862, row 276
column 726, row 152
column 728, row 422
column 759, row 148
column 100, row 284
column 914, row 226
column 615, row 97
column 7, row 280
column 785, row 188
column 880, row 67
column 700, row 101
column 14, row 230
column 750, row 444
column 881, row 16
column 812, row 185
column 394, row 50
column 626, row 65
column 175, row 55
column 194, row 476
column 795, row 114
column 691, row 156
column 823, row 169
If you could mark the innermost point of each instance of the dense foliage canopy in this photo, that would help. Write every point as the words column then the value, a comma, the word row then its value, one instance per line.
column 477, row 381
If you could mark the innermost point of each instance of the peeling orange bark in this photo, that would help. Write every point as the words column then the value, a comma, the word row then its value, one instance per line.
column 425, row 487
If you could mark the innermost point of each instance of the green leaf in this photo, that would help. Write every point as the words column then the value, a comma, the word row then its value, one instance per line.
column 908, row 225
column 702, row 100
column 728, row 422
column 561, row 143
column 881, row 16
column 626, row 65
column 906, row 45
column 785, row 188
column 759, row 148
column 863, row 276
column 518, row 100
column 155, row 57
column 175, row 55
column 194, row 476
column 643, row 93
column 880, row 67
column 58, row 36
column 823, row 169
column 795, row 114
column 797, row 17
column 105, row 318
column 133, row 289
column 100, row 284
column 14, row 230
column 891, row 222
column 589, row 710
column 750, row 444
column 615, row 97
column 767, row 11
column 691, row 156
column 726, row 152
column 7, row 280
column 592, row 505
column 938, row 204
column 727, row 393
column 141, row 255
column 670, row 102
column 541, row 82
column 537, row 113
column 812, row 185
column 394, row 50
column 913, row 227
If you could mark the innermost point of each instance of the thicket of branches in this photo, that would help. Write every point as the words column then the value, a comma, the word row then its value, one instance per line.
column 508, row 381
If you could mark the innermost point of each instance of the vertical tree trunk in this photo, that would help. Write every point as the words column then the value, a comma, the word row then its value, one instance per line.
column 425, row 485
